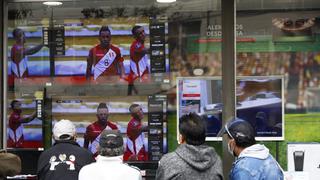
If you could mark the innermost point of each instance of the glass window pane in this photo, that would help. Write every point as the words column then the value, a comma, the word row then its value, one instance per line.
column 281, row 39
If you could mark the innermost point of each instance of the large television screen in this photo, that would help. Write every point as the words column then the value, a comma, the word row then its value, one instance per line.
column 259, row 101
column 67, row 46
column 87, row 113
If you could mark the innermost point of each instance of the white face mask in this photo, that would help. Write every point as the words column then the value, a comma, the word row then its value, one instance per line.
column 229, row 149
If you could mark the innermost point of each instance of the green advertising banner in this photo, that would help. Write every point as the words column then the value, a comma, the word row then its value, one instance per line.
column 197, row 44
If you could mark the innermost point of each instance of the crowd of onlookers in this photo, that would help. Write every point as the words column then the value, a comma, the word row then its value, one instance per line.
column 192, row 159
column 301, row 70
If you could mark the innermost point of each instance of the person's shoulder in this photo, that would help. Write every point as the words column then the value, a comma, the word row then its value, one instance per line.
column 169, row 158
column 92, row 125
column 115, row 48
column 132, row 169
column 112, row 124
column 95, row 47
column 88, row 168
column 133, row 123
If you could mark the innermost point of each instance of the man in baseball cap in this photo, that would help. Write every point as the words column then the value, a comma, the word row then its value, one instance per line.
column 64, row 130
column 65, row 158
column 253, row 160
column 109, row 163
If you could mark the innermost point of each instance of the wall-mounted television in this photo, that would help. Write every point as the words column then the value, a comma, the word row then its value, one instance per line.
column 83, row 110
column 259, row 101
column 79, row 36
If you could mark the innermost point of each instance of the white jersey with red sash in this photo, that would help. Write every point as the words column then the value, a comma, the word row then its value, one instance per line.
column 93, row 146
column 135, row 142
column 18, row 69
column 139, row 64
column 93, row 133
column 105, row 60
column 104, row 63
column 15, row 131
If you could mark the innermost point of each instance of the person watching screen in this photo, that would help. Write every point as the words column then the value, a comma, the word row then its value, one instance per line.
column 109, row 163
column 65, row 158
column 253, row 161
column 192, row 159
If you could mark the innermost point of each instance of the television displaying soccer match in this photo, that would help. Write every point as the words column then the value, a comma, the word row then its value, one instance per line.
column 140, row 119
column 259, row 101
column 77, row 51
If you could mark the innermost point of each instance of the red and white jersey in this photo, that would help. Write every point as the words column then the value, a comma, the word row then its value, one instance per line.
column 135, row 142
column 19, row 68
column 138, row 64
column 93, row 133
column 15, row 131
column 105, row 60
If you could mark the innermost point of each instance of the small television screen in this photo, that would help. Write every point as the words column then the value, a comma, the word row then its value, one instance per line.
column 62, row 62
column 259, row 101
column 24, row 123
column 140, row 119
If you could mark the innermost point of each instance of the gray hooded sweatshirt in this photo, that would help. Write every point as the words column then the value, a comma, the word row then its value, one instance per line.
column 190, row 162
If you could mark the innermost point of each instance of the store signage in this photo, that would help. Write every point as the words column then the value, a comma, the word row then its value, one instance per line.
column 216, row 30
column 156, row 114
column 157, row 44
column 55, row 38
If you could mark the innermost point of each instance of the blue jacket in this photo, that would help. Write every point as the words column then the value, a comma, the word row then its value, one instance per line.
column 255, row 163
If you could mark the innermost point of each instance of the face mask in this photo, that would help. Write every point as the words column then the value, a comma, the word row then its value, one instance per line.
column 229, row 149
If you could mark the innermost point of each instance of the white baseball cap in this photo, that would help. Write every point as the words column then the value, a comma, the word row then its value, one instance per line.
column 63, row 127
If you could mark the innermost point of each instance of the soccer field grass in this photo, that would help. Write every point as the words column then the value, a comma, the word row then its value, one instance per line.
column 298, row 128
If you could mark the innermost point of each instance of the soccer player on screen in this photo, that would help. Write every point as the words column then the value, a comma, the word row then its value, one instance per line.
column 19, row 55
column 139, row 65
column 15, row 128
column 135, row 148
column 93, row 131
column 105, row 58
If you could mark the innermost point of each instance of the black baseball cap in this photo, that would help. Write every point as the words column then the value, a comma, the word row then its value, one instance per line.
column 111, row 139
column 238, row 129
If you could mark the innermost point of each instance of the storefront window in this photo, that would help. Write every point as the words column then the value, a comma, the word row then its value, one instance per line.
column 69, row 61
column 272, row 41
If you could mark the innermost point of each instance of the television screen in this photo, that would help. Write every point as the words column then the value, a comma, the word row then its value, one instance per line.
column 24, row 124
column 259, row 101
column 73, row 42
column 92, row 114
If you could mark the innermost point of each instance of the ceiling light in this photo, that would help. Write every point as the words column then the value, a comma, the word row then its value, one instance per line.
column 52, row 3
column 166, row 1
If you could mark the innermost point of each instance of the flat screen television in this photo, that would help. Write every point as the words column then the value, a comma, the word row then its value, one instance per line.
column 82, row 111
column 259, row 101
column 69, row 66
